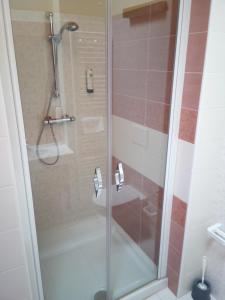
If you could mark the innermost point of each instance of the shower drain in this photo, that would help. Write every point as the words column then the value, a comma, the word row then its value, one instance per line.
column 100, row 295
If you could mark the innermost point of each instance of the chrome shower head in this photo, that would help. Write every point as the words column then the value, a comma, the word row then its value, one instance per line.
column 70, row 26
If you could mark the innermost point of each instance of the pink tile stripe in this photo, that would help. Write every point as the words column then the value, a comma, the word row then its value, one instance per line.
column 188, row 124
column 194, row 67
column 143, row 61
column 137, row 58
column 189, row 114
column 162, row 52
column 145, row 86
column 130, row 108
column 173, row 280
column 141, row 218
column 196, row 52
column 158, row 116
column 192, row 89
column 179, row 211
column 130, row 82
column 199, row 15
column 159, row 86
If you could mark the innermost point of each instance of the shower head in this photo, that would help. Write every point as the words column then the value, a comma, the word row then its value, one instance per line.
column 70, row 26
column 56, row 38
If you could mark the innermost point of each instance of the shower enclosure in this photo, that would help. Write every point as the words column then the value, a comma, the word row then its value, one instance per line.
column 96, row 92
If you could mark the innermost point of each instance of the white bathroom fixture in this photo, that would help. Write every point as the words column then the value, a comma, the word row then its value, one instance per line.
column 217, row 232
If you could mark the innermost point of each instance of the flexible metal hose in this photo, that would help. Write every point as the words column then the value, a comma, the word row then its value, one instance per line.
column 55, row 142
column 53, row 136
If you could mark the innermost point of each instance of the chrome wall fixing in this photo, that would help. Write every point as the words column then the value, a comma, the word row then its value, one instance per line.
column 98, row 183
column 54, row 56
column 119, row 177
column 64, row 119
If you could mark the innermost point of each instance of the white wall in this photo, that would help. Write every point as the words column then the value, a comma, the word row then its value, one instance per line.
column 207, row 196
column 14, row 282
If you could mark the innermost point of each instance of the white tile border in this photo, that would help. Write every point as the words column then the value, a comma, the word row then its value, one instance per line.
column 184, row 164
column 141, row 148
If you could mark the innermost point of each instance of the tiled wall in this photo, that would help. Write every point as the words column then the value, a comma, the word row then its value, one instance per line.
column 143, row 59
column 189, row 115
column 177, row 226
column 206, row 203
column 141, row 216
column 194, row 68
column 14, row 282
column 64, row 192
column 142, row 82
column 211, row 114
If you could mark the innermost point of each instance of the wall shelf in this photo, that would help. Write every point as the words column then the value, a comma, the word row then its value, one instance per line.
column 217, row 232
column 47, row 151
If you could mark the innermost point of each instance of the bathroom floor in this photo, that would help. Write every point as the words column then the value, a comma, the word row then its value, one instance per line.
column 167, row 295
column 75, row 267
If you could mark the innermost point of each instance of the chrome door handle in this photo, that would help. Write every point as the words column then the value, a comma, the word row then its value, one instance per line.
column 119, row 177
column 98, row 183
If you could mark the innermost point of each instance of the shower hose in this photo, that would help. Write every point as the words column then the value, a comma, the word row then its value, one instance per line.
column 42, row 160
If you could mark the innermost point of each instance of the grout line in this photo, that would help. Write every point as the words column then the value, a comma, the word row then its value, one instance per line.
column 144, row 70
column 198, row 32
column 189, row 109
column 147, row 38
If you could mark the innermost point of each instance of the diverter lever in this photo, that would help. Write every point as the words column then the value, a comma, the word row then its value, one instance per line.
column 119, row 177
column 98, row 183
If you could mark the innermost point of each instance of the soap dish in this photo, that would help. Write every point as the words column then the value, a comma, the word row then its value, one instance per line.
column 217, row 232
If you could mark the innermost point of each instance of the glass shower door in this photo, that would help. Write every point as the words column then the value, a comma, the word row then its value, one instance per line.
column 60, row 49
column 144, row 43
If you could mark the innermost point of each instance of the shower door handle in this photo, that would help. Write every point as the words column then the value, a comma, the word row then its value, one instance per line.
column 119, row 177
column 98, row 183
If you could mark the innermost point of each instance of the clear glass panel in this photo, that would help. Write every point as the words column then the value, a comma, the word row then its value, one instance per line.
column 62, row 77
column 144, row 42
column 64, row 152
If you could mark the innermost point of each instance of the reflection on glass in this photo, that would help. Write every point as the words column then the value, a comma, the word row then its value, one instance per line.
column 61, row 60
column 144, row 36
